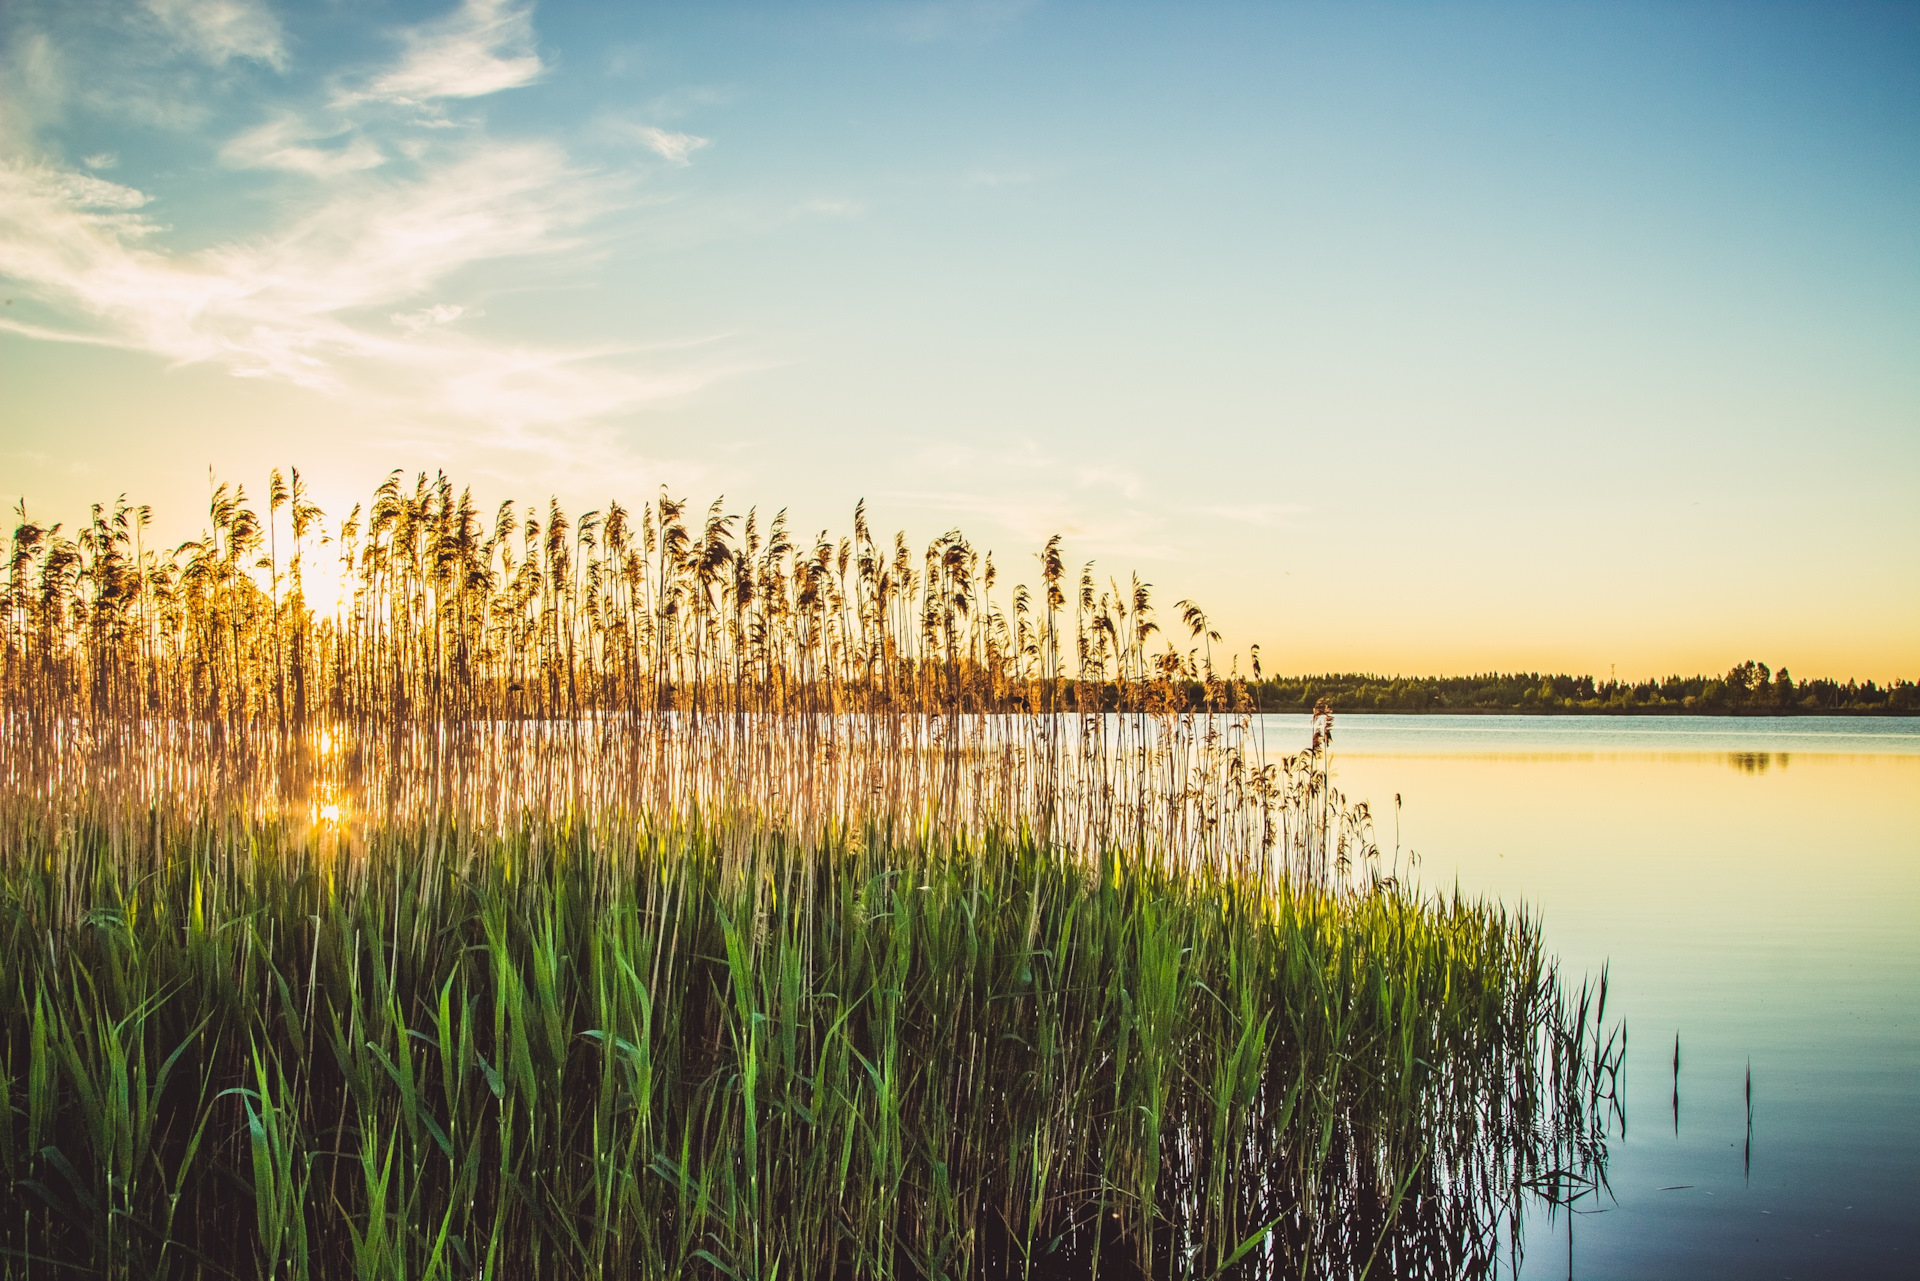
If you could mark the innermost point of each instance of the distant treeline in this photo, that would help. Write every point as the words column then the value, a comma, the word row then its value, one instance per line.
column 1749, row 689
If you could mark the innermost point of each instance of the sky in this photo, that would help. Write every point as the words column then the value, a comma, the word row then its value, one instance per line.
column 1405, row 337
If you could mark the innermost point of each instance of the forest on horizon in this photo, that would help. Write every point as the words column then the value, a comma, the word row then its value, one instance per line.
column 1748, row 689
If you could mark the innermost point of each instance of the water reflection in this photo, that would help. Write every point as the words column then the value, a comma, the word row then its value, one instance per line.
column 1195, row 790
column 1638, row 735
column 1758, row 919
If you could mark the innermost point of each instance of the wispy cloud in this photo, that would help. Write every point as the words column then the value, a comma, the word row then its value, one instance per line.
column 441, row 313
column 360, row 282
column 312, row 302
column 1035, row 515
column 674, row 148
column 483, row 47
column 219, row 31
column 32, row 83
column 291, row 143
column 1124, row 483
column 1014, row 485
column 1017, row 485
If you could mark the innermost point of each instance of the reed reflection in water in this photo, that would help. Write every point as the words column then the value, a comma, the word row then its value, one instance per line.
column 1189, row 788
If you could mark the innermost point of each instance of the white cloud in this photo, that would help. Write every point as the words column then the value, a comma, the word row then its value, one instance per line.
column 312, row 301
column 287, row 142
column 221, row 30
column 441, row 313
column 86, row 192
column 482, row 47
column 100, row 160
column 32, row 83
column 675, row 148
column 359, row 286
column 1124, row 483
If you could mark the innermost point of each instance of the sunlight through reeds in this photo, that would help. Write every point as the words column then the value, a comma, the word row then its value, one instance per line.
column 661, row 897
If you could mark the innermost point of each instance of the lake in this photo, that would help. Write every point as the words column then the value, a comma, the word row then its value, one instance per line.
column 1753, row 885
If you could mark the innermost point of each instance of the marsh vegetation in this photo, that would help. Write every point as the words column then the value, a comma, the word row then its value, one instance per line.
column 652, row 896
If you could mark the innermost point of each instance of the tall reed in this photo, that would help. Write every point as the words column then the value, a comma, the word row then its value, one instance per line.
column 601, row 897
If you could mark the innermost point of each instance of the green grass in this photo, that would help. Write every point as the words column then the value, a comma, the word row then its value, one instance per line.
column 595, row 1048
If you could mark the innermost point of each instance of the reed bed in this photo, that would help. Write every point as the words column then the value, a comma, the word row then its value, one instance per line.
column 615, row 897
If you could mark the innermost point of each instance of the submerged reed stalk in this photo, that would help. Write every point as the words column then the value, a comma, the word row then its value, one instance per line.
column 662, row 898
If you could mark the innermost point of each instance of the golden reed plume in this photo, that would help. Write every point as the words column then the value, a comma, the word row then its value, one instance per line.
column 659, row 663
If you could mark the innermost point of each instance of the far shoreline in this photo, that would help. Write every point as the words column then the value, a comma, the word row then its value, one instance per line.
column 1544, row 712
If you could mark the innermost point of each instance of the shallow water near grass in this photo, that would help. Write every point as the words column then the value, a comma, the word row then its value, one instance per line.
column 1754, row 887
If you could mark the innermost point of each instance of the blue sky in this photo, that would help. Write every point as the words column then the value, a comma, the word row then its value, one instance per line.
column 1407, row 336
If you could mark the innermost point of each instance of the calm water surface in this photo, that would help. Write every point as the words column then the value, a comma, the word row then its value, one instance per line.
column 1754, row 887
